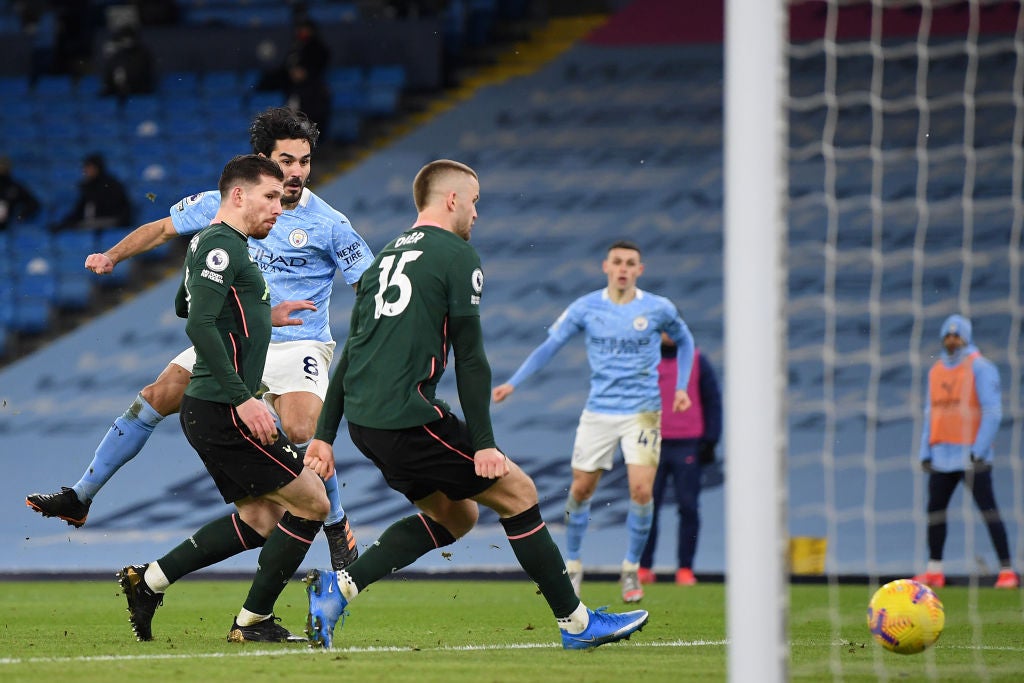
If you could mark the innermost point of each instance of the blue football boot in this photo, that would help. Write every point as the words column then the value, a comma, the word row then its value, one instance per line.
column 605, row 627
column 326, row 606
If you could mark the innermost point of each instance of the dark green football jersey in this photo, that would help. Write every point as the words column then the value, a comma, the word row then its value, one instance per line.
column 419, row 300
column 227, row 303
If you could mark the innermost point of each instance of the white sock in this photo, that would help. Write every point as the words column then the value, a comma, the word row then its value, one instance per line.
column 155, row 578
column 347, row 585
column 630, row 566
column 576, row 622
column 247, row 618
column 934, row 566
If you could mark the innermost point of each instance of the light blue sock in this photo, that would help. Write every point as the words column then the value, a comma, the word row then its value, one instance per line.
column 577, row 517
column 638, row 525
column 337, row 512
column 123, row 441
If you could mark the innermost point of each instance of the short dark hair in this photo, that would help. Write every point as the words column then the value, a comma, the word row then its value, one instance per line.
column 248, row 168
column 281, row 123
column 624, row 244
column 423, row 183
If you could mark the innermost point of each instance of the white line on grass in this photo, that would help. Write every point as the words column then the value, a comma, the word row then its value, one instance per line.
column 342, row 650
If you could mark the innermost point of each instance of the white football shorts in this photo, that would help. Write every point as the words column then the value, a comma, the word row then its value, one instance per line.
column 600, row 434
column 291, row 366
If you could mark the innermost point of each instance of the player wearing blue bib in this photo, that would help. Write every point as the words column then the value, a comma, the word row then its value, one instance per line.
column 622, row 326
column 310, row 244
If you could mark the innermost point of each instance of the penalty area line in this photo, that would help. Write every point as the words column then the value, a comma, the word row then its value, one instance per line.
column 308, row 652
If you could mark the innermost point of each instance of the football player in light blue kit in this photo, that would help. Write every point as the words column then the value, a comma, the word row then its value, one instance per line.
column 309, row 245
column 623, row 326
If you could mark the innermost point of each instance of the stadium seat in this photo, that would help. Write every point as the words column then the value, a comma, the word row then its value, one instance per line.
column 55, row 87
column 30, row 314
column 74, row 242
column 74, row 291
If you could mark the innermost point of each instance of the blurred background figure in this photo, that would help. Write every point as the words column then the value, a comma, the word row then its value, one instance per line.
column 128, row 67
column 102, row 201
column 17, row 203
column 61, row 32
column 302, row 75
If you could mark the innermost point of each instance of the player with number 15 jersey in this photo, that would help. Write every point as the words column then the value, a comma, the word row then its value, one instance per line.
column 422, row 287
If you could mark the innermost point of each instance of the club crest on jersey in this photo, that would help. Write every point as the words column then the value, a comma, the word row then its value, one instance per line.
column 217, row 260
column 640, row 323
column 478, row 280
column 298, row 238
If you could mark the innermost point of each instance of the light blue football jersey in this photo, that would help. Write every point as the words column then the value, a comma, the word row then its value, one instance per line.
column 300, row 257
column 623, row 347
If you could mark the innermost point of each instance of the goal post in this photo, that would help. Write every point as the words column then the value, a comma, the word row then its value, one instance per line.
column 874, row 185
column 755, row 335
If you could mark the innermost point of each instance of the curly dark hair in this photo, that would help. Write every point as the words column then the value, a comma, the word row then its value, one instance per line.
column 281, row 123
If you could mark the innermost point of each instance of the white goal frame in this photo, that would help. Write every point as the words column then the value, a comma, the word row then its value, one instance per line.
column 757, row 592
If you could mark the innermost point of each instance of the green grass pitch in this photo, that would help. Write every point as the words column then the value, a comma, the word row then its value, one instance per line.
column 478, row 631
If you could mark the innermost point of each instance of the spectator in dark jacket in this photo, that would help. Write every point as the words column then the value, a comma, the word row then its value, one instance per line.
column 127, row 64
column 305, row 75
column 688, row 441
column 102, row 201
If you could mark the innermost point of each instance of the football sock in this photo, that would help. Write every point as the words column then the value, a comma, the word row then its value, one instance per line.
column 400, row 545
column 216, row 541
column 934, row 566
column 337, row 512
column 123, row 441
column 155, row 578
column 247, row 618
column 577, row 517
column 638, row 526
column 347, row 585
column 577, row 622
column 539, row 557
column 280, row 558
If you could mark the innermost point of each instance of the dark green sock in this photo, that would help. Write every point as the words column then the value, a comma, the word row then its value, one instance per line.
column 220, row 539
column 539, row 556
column 280, row 558
column 400, row 545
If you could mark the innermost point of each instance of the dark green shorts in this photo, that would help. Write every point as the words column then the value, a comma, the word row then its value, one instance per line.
column 240, row 465
column 418, row 461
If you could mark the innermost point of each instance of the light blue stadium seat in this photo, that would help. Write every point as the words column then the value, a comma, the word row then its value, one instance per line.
column 78, row 243
column 30, row 315
column 74, row 290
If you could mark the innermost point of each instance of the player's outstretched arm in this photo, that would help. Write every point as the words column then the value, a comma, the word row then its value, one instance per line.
column 143, row 238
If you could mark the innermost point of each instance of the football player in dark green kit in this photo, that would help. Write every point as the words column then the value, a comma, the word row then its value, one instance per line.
column 280, row 503
column 419, row 300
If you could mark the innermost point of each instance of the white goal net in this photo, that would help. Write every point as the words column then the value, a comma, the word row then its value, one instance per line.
column 905, row 178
